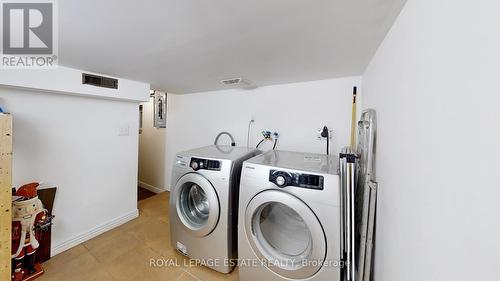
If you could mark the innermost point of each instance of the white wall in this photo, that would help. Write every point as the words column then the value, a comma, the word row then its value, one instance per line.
column 70, row 139
column 433, row 84
column 296, row 111
column 65, row 80
column 152, row 145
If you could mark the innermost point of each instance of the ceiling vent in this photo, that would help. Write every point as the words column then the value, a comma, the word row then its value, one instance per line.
column 99, row 81
column 229, row 82
column 239, row 82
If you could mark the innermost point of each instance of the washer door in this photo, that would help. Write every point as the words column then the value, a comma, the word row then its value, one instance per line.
column 197, row 204
column 285, row 234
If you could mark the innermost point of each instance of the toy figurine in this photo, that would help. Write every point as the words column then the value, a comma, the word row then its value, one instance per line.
column 29, row 218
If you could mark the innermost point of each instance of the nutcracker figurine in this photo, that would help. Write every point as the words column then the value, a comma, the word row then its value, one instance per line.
column 29, row 218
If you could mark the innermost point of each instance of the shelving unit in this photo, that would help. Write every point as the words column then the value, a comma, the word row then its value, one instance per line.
column 5, row 195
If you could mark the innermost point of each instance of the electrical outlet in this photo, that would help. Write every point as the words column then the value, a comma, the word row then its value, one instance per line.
column 319, row 137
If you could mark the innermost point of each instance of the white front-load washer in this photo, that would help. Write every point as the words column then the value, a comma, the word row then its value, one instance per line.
column 204, row 204
column 289, row 218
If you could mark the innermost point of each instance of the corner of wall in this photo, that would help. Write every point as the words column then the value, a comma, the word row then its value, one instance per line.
column 91, row 233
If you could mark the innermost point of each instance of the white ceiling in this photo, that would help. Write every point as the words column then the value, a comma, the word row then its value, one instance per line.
column 185, row 46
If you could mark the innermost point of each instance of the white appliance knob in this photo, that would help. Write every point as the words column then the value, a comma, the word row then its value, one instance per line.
column 280, row 180
column 194, row 165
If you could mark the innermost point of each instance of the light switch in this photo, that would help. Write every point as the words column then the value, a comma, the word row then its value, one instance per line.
column 123, row 131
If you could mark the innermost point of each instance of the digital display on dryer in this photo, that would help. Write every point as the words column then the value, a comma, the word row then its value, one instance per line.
column 310, row 180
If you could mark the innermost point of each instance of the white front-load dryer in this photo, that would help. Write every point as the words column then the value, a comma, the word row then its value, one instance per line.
column 204, row 204
column 289, row 218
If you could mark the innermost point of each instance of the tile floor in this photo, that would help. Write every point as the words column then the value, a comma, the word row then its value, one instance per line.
column 124, row 253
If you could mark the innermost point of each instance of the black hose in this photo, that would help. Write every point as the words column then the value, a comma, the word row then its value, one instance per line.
column 327, row 144
column 325, row 133
column 257, row 146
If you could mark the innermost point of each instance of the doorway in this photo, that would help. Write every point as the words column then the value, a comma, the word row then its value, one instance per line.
column 152, row 143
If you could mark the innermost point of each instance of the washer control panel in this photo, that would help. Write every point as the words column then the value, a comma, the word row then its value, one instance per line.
column 283, row 179
column 205, row 164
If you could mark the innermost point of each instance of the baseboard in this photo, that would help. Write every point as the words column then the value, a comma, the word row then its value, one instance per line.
column 100, row 229
column 151, row 187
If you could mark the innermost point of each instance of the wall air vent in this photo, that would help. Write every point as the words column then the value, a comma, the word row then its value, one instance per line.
column 99, row 81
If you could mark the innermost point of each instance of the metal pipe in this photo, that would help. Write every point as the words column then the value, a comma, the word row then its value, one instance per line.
column 248, row 131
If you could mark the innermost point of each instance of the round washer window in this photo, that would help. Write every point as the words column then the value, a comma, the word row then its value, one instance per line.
column 194, row 205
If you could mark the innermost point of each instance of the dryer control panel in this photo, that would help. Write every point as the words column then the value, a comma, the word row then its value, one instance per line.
column 283, row 178
column 205, row 164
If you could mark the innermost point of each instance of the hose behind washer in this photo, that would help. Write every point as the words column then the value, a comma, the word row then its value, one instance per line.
column 233, row 143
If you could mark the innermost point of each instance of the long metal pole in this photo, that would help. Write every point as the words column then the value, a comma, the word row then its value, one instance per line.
column 353, row 216
column 348, row 222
